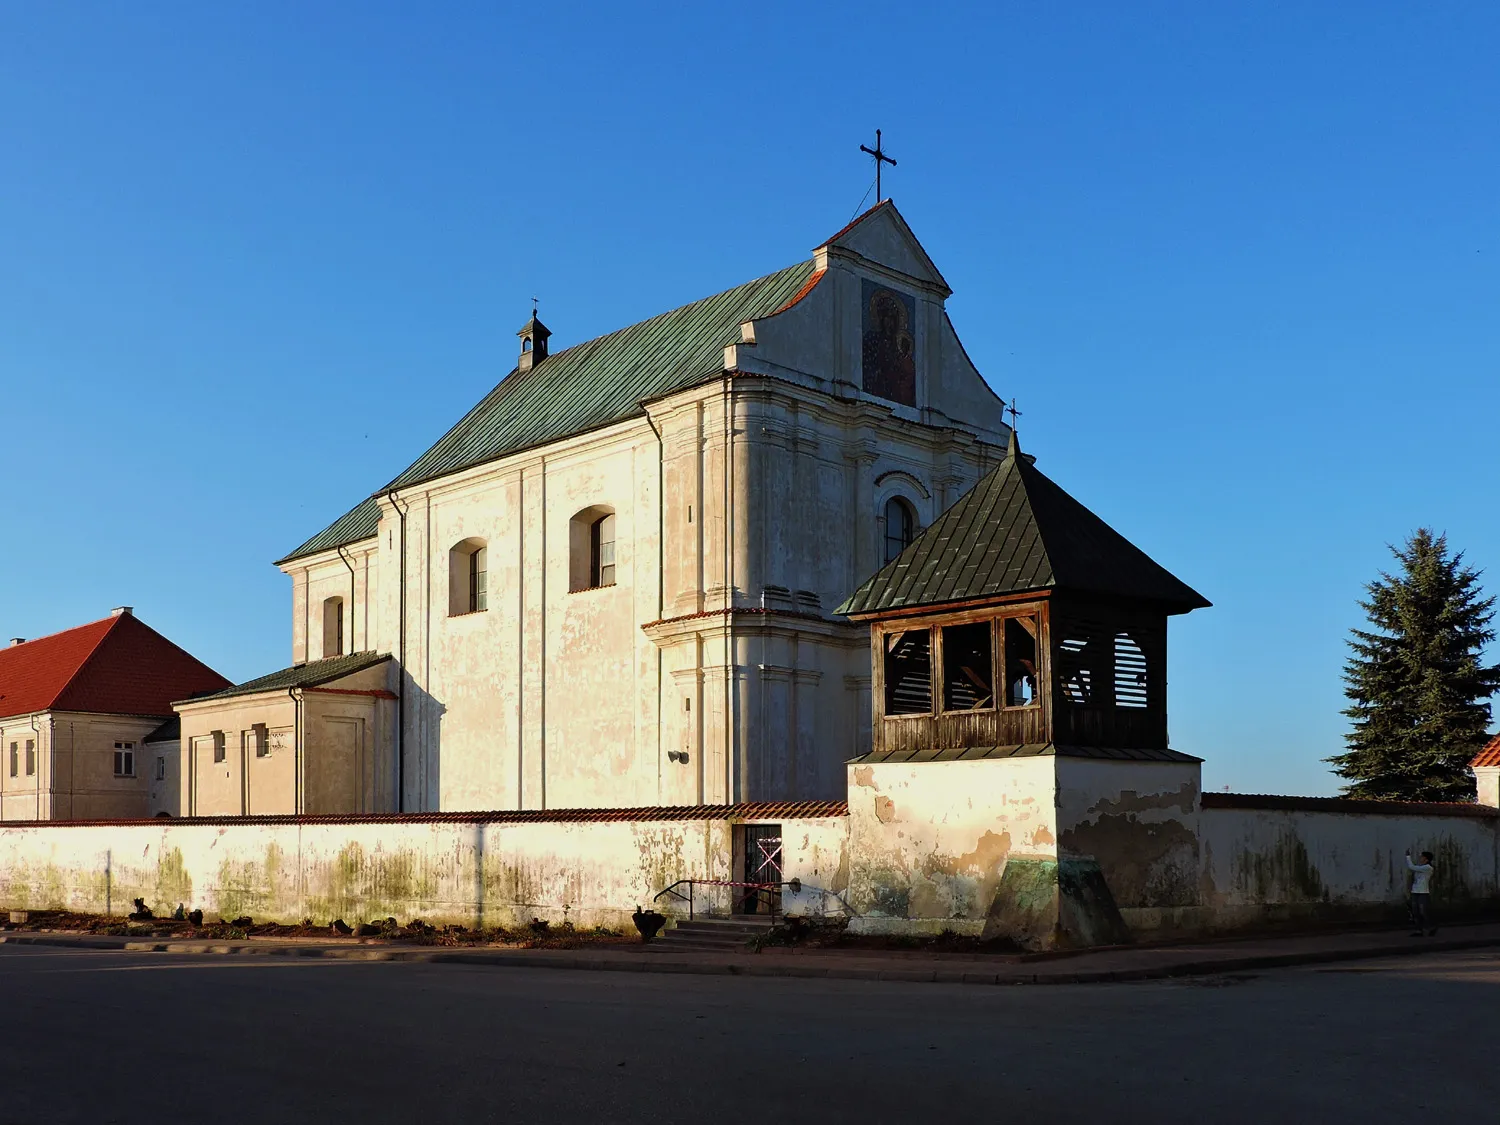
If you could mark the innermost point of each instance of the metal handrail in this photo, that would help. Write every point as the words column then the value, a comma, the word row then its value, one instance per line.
column 769, row 887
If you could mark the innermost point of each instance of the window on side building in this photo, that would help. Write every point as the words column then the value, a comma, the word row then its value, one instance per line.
column 124, row 759
column 161, row 767
column 219, row 754
column 333, row 627
column 30, row 757
column 15, row 759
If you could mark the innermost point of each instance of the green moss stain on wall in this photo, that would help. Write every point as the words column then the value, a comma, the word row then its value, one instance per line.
column 360, row 886
column 1282, row 873
column 1450, row 869
column 173, row 884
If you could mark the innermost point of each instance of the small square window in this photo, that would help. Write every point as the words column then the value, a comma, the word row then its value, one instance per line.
column 968, row 667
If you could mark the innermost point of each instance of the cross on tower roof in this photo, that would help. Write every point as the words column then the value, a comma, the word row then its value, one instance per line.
column 1012, row 411
column 880, row 158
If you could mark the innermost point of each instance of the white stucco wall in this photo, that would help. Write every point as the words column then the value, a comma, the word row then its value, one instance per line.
column 1269, row 864
column 929, row 841
column 483, row 872
column 1139, row 820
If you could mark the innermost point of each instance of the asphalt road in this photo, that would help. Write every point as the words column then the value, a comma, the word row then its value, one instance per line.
column 106, row 1036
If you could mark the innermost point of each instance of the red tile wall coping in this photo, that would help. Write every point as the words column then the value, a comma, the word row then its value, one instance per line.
column 1345, row 805
column 761, row 811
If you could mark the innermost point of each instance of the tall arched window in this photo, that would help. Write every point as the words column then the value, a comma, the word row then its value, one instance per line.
column 591, row 545
column 468, row 578
column 900, row 526
column 602, row 551
column 333, row 627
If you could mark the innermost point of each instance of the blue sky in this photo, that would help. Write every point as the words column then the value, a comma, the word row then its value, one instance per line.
column 1240, row 264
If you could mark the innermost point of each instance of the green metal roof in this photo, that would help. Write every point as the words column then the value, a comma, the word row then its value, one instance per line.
column 360, row 522
column 311, row 674
column 1013, row 532
column 583, row 388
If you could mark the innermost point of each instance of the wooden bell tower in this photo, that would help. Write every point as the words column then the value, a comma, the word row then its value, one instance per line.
column 1019, row 623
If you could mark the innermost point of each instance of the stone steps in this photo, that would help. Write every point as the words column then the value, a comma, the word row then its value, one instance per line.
column 721, row 934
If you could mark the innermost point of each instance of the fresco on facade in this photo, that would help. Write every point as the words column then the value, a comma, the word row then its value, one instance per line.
column 889, row 352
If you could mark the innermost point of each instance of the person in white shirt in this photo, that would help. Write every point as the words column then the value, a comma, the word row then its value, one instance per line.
column 1421, row 883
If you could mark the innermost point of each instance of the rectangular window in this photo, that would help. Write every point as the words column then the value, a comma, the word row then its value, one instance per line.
column 15, row 759
column 161, row 768
column 908, row 672
column 968, row 667
column 30, row 757
column 1020, row 661
column 478, row 581
column 218, row 746
column 260, row 737
column 602, row 551
column 124, row 759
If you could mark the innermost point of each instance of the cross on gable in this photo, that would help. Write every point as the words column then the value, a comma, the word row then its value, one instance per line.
column 880, row 158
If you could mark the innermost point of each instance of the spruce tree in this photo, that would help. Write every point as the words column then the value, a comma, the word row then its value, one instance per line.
column 1417, row 687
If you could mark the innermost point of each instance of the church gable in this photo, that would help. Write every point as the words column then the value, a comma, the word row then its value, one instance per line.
column 871, row 323
column 880, row 240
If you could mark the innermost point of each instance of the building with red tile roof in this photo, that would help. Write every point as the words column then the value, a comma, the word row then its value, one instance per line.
column 1486, row 767
column 75, row 709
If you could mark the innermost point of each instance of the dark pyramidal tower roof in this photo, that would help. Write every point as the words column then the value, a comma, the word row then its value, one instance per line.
column 1013, row 532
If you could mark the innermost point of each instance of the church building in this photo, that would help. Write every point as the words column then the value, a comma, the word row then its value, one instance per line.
column 612, row 583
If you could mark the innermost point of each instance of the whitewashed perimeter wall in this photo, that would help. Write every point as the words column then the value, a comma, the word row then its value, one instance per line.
column 1270, row 864
column 473, row 873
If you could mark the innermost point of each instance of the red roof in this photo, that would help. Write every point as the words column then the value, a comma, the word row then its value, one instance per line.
column 118, row 666
column 1490, row 755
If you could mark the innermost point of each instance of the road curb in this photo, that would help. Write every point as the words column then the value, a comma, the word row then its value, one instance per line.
column 944, row 974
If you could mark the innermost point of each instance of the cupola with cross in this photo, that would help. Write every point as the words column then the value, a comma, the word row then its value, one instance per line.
column 1019, row 619
column 534, row 336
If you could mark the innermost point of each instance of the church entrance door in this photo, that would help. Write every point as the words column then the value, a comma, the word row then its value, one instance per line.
column 761, row 864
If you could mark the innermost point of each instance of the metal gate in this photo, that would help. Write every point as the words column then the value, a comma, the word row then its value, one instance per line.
column 761, row 849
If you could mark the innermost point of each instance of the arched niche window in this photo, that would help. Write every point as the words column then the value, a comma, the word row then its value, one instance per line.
column 333, row 627
column 900, row 526
column 468, row 590
column 591, row 543
column 526, row 344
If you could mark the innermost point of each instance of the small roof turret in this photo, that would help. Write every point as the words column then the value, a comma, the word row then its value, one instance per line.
column 534, row 336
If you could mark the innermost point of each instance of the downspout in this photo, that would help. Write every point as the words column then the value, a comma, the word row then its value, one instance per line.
column 38, row 759
column 350, row 565
column 661, row 549
column 401, row 659
column 295, row 694
column 731, row 716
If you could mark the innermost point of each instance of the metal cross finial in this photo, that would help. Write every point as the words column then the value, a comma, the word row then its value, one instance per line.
column 880, row 158
column 533, row 307
column 1012, row 411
